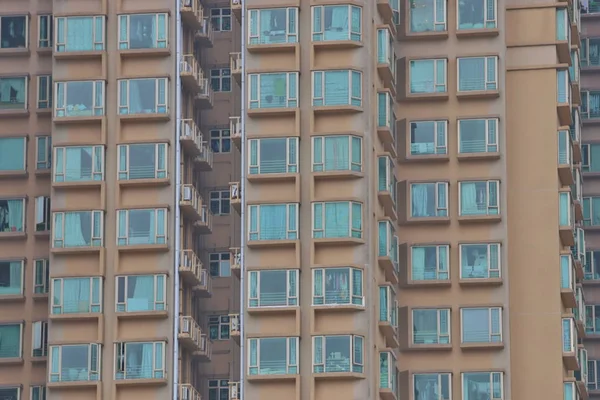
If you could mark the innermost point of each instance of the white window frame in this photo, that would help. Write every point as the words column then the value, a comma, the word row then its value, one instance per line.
column 440, row 376
column 489, row 268
column 437, row 124
column 49, row 32
column 592, row 375
column 570, row 209
column 94, row 371
column 390, row 116
column 21, row 332
column 60, row 299
column 121, row 307
column 487, row 79
column 120, row 357
column 436, row 84
column 24, row 212
column 48, row 85
column 351, row 230
column 156, row 218
column 488, row 143
column 491, row 334
column 42, row 213
column 392, row 370
column 486, row 20
column 288, row 357
column 95, row 41
column 44, row 265
column 289, row 232
column 94, row 240
column 27, row 25
column 62, row 108
column 580, row 250
column 43, row 152
column 291, row 162
column 390, row 54
column 390, row 176
column 591, row 263
column 39, row 389
column 489, row 205
column 39, row 338
column 94, row 173
column 354, row 366
column 291, row 301
column 438, row 261
column 392, row 305
column 323, row 155
column 321, row 96
column 289, row 34
column 160, row 83
column 436, row 14
column 572, row 335
column 391, row 241
column 22, row 284
column 127, row 18
column 289, row 99
column 492, row 374
column 124, row 169
column 437, row 187
column 351, row 294
column 562, row 78
column 439, row 333
column 565, row 136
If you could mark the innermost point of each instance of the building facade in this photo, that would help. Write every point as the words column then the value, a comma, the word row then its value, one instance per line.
column 116, row 159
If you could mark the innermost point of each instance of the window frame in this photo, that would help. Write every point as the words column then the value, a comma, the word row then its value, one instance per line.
column 352, row 166
column 22, row 277
column 440, row 212
column 57, row 300
column 44, row 265
column 39, row 343
column 289, row 366
column 43, row 157
column 436, row 84
column 27, row 83
column 490, row 332
column 391, row 316
column 490, row 246
column 485, row 19
column 489, row 144
column 60, row 110
column 95, row 241
column 392, row 371
column 23, row 212
column 436, row 144
column 223, row 197
column 27, row 27
column 97, row 45
column 291, row 234
column 290, row 101
column 291, row 300
column 94, row 371
column 127, row 18
column 440, row 376
column 351, row 230
column 212, row 261
column 222, row 76
column 352, row 294
column 160, row 83
column 491, row 381
column 45, row 218
column 48, row 85
column 157, row 236
column 291, row 36
column 439, row 334
column 220, row 16
column 572, row 334
column 489, row 205
column 318, row 100
column 125, row 169
column 217, row 135
column 21, row 338
column 357, row 342
column 120, row 359
column 41, row 392
column 590, row 266
column 94, row 172
column 49, row 33
column 219, row 387
column 292, row 146
column 121, row 307
column 495, row 81
column 352, row 35
column 438, row 271
column 219, row 321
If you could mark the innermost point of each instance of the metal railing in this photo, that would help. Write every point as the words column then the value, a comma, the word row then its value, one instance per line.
column 189, row 66
column 205, row 280
column 189, row 261
column 206, row 153
column 190, row 131
column 190, row 195
column 188, row 392
column 189, row 327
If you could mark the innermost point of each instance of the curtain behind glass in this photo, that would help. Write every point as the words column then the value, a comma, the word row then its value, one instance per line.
column 13, row 285
column 15, row 215
column 336, row 153
column 337, row 220
column 273, row 222
column 422, row 78
column 12, row 91
column 80, row 34
column 76, row 295
column 140, row 293
column 142, row 31
column 337, row 90
column 75, row 234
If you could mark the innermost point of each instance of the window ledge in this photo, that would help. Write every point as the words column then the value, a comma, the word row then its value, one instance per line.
column 142, row 314
column 11, row 361
column 273, row 243
column 76, row 184
column 92, row 119
column 77, row 55
column 42, row 172
column 14, row 174
column 17, row 51
column 427, row 158
column 338, row 375
column 69, row 384
column 44, row 51
column 430, row 347
column 591, row 175
column 45, row 112
column 75, row 250
column 154, row 52
column 85, row 316
column 40, row 296
column 271, row 112
column 273, row 310
column 145, row 182
column 429, row 35
column 591, row 282
column 10, row 298
column 592, row 335
column 14, row 112
column 272, row 47
column 479, row 218
column 481, row 346
column 428, row 220
column 466, row 33
column 348, row 241
column 42, row 359
column 152, row 117
column 142, row 382
column 13, row 235
column 478, row 94
column 347, row 174
column 441, row 96
column 480, row 281
column 338, row 307
column 272, row 177
column 272, row 378
column 146, row 248
column 478, row 156
column 428, row 283
column 337, row 109
column 592, row 228
column 337, row 44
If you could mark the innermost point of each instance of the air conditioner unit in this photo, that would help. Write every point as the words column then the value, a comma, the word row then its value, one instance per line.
column 187, row 193
column 185, row 326
column 185, row 393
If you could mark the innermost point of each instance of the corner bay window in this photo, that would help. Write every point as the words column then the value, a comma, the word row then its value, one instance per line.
column 428, row 76
column 276, row 288
column 143, row 96
column 141, row 227
column 140, row 360
column 79, row 99
column 339, row 219
column 337, row 88
column 76, row 295
column 273, row 156
column 78, row 229
column 143, row 31
column 75, row 363
column 78, row 163
column 481, row 325
column 427, row 16
column 142, row 161
column 336, row 153
column 273, row 222
column 430, row 262
column 339, row 353
column 337, row 286
column 433, row 386
column 336, row 22
column 273, row 90
column 79, row 33
column 273, row 26
column 137, row 293
column 273, row 356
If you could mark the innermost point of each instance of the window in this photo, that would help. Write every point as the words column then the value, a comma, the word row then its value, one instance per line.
column 592, row 319
column 589, row 51
column 591, row 157
column 13, row 92
column 386, row 118
column 10, row 393
column 142, row 227
column 220, row 140
column 563, row 28
column 337, row 286
column 478, row 135
column 479, row 198
column 221, row 19
column 75, row 363
column 569, row 332
column 427, row 16
column 140, row 360
column 41, row 279
column 14, row 32
column 273, row 222
column 138, row 293
column 220, row 80
column 428, row 138
column 11, row 278
column 566, row 210
column 44, row 95
column 219, row 202
column 218, row 327
column 336, row 153
column 565, row 148
column 273, row 26
column 435, row 386
column 431, row 326
column 337, row 87
column 39, row 339
column 273, row 90
column 578, row 250
column 388, row 242
column 337, row 219
column 45, row 31
column 388, row 305
column 339, row 353
column 591, row 268
column 13, row 153
column 481, row 325
column 273, row 288
column 78, row 163
column 219, row 264
column 218, row 389
column 385, row 49
column 79, row 34
column 38, row 393
column 428, row 76
column 490, row 385
column 143, row 31
column 591, row 210
column 395, row 4
column 76, row 295
column 563, row 86
column 590, row 105
column 43, row 152
column 143, row 161
column 11, row 345
column 12, row 215
column 387, row 178
column 336, row 22
column 388, row 374
column 477, row 74
column 429, row 200
column 79, row 99
column 143, row 96
column 273, row 356
column 430, row 263
column 78, row 229
column 476, row 14
column 593, row 377
column 42, row 214
column 273, row 156
column 480, row 261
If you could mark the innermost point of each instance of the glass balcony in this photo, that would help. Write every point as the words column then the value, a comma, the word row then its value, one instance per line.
column 273, row 222
column 11, row 347
column 336, row 153
column 336, row 23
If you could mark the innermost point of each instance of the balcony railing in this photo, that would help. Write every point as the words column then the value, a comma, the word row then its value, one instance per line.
column 204, row 225
column 235, row 130
column 593, row 7
column 190, row 267
column 188, row 392
column 205, row 93
column 204, row 287
column 235, row 259
column 190, row 72
column 234, row 387
column 204, row 159
column 190, row 136
column 205, row 350
column 235, row 195
column 190, row 201
column 189, row 332
column 205, row 33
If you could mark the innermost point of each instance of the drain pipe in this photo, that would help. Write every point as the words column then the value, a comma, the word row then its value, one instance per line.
column 243, row 194
column 177, row 244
